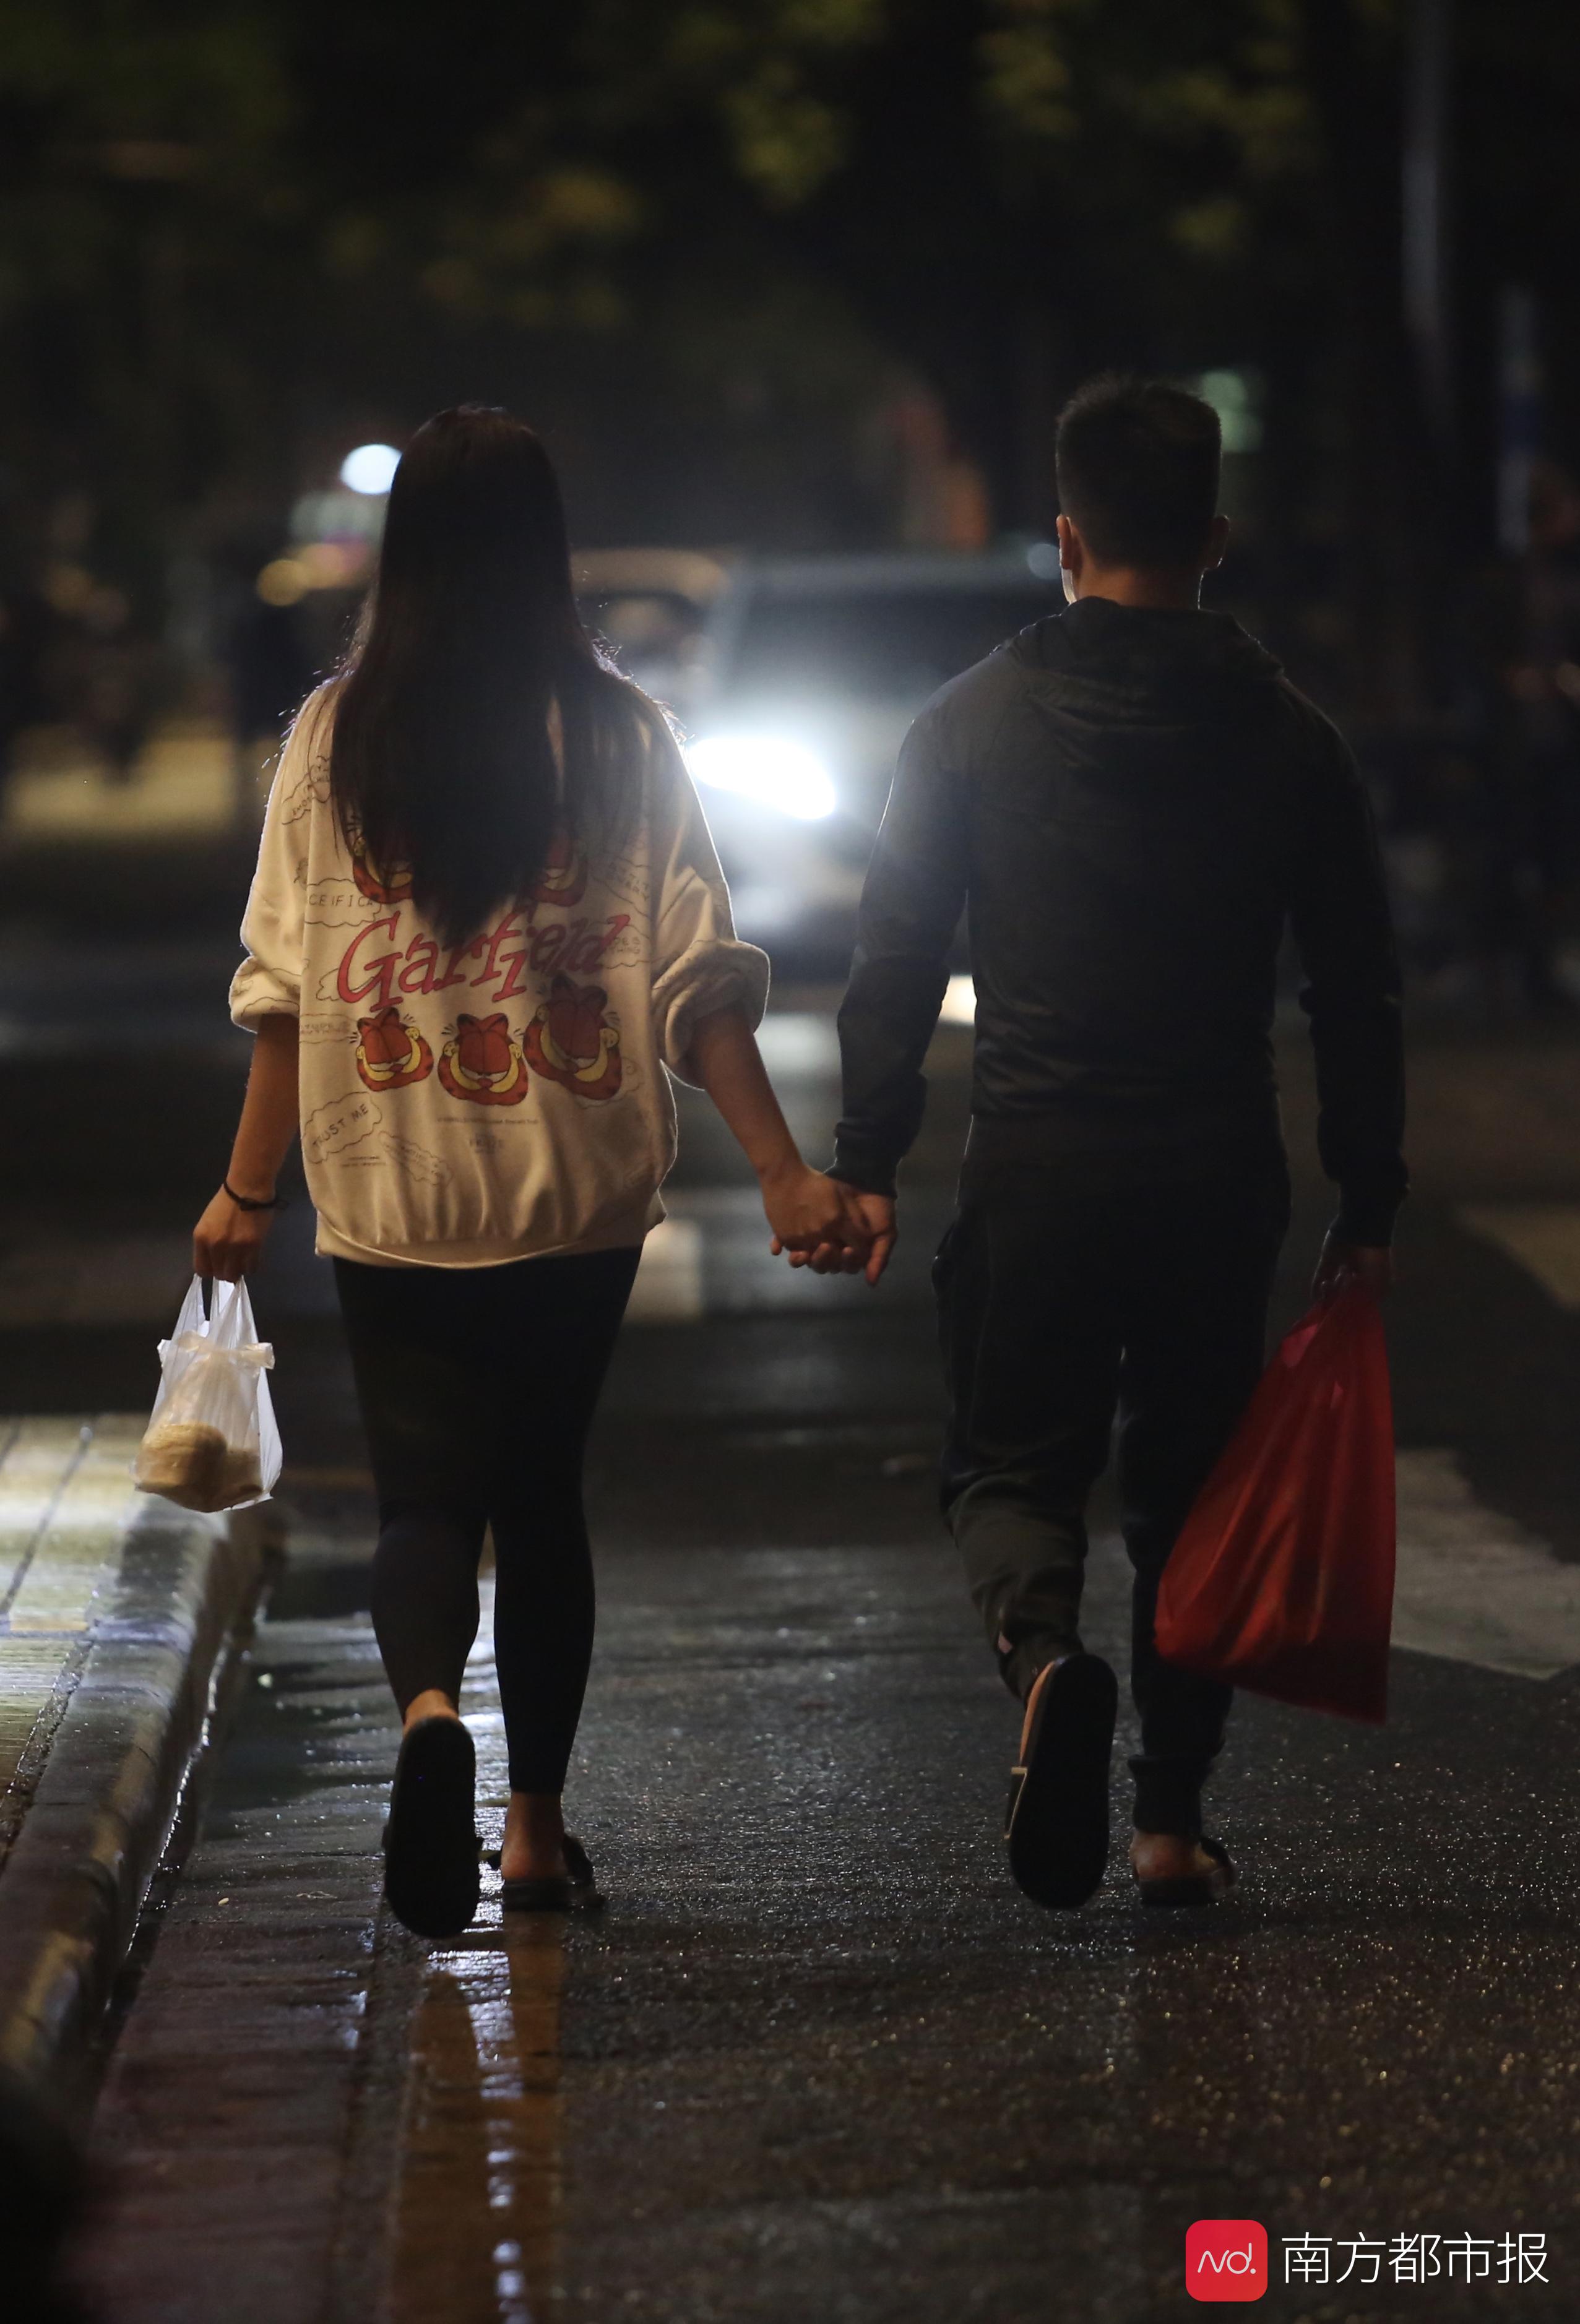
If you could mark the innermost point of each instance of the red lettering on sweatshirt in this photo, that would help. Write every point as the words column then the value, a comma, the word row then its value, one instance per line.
column 506, row 964
column 422, row 957
column 544, row 952
column 511, row 951
column 381, row 971
column 454, row 974
column 586, row 950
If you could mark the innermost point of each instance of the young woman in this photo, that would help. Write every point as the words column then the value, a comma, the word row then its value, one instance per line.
column 487, row 924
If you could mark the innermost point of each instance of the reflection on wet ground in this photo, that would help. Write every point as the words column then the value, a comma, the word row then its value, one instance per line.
column 477, row 2208
column 475, row 2220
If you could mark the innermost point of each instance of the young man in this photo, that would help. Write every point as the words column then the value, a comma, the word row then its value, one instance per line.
column 1132, row 801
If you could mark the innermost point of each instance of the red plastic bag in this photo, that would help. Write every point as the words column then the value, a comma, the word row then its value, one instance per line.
column 1282, row 1578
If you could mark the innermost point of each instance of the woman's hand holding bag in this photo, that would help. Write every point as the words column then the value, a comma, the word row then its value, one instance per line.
column 229, row 1240
column 211, row 1440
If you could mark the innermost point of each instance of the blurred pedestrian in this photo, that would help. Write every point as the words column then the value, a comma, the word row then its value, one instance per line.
column 1131, row 800
column 487, row 923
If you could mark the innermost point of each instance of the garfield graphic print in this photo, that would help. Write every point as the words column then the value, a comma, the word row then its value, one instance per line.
column 391, row 1053
column 572, row 1041
column 482, row 1062
column 391, row 886
column 564, row 877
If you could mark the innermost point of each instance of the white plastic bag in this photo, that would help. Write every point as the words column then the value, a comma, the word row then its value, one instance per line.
column 211, row 1440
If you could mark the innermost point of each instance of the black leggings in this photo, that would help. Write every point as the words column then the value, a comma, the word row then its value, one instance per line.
column 477, row 1387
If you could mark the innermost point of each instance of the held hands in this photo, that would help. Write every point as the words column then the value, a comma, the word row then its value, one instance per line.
column 876, row 1214
column 855, row 1236
column 817, row 1222
column 227, row 1241
column 1344, row 1266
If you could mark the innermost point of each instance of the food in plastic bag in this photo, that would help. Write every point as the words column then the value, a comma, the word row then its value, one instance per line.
column 1281, row 1580
column 211, row 1442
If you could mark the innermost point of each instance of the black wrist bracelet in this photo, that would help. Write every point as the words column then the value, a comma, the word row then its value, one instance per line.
column 248, row 1203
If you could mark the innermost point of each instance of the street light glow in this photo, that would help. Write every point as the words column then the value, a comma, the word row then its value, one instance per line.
column 370, row 469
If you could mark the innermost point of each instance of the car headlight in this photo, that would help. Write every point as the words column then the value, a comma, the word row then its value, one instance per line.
column 767, row 768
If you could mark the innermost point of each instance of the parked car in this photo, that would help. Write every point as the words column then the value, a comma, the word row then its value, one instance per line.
column 652, row 605
column 808, row 673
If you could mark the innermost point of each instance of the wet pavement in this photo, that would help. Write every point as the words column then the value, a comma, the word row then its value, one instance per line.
column 817, row 2059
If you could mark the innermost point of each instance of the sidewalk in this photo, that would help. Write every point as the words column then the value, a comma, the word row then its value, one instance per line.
column 184, row 787
column 115, row 1611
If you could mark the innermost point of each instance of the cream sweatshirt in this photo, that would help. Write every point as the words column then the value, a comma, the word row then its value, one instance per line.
column 464, row 1105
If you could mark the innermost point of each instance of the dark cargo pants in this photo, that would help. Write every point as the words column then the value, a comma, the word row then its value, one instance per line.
column 1061, row 1309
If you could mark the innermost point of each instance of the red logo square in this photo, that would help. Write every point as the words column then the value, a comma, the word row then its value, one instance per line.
column 1225, row 2259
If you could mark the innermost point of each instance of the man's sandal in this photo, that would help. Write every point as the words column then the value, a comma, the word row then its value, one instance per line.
column 1194, row 1887
column 1056, row 1818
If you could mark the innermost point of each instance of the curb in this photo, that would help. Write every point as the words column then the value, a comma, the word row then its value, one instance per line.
column 75, row 1880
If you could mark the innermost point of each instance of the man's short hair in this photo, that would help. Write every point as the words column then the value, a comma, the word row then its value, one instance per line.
column 1137, row 463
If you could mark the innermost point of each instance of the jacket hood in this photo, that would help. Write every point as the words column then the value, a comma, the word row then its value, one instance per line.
column 1141, row 659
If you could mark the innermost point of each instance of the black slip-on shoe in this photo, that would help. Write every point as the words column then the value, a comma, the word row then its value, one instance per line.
column 1056, row 1820
column 1194, row 1887
column 576, row 1890
column 430, row 1840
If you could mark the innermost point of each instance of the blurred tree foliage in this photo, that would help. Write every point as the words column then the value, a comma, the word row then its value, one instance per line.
column 218, row 217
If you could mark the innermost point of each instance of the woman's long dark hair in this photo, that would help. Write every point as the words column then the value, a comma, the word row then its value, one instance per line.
column 440, row 759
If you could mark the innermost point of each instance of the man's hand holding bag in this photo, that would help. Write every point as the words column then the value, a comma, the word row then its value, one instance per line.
column 1282, row 1578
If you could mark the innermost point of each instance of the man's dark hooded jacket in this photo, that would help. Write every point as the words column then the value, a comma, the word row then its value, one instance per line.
column 1133, row 804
